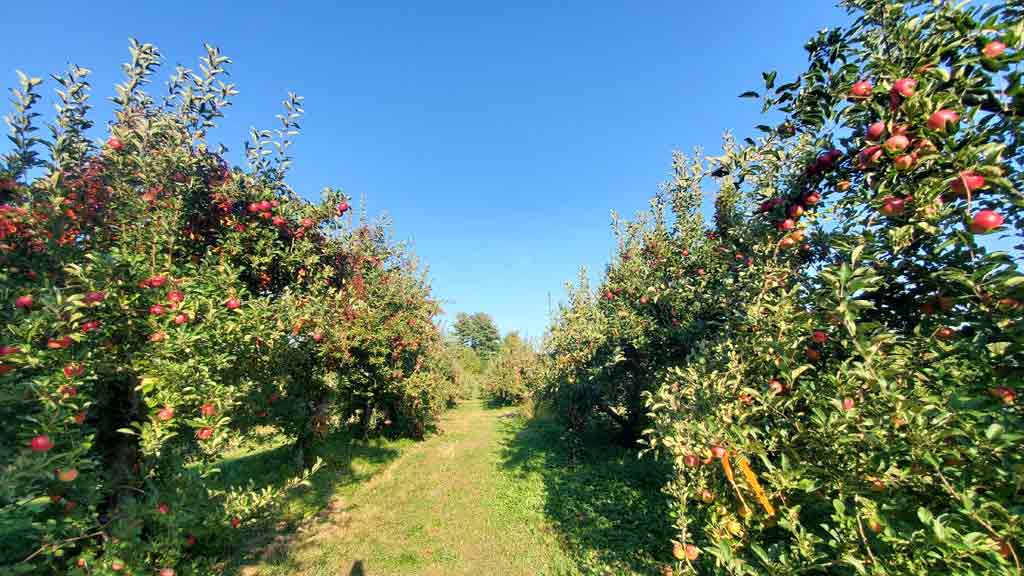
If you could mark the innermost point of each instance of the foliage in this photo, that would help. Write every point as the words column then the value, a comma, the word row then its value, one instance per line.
column 833, row 366
column 477, row 331
column 515, row 373
column 160, row 306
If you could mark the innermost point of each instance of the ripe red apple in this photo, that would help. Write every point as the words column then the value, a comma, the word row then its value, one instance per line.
column 115, row 144
column 904, row 162
column 1004, row 304
column 342, row 208
column 795, row 211
column 905, row 87
column 233, row 303
column 59, row 343
column 787, row 224
column 95, row 297
column 204, row 433
column 945, row 333
column 190, row 541
column 80, row 417
column 985, row 221
column 156, row 310
column 993, row 49
column 896, row 143
column 306, row 222
column 176, row 296
column 1007, row 395
column 691, row 460
column 181, row 319
column 843, row 185
column 812, row 354
column 89, row 326
column 861, row 89
column 967, row 181
column 848, row 404
column 236, row 522
column 5, row 350
column 67, row 474
column 157, row 336
column 875, row 131
column 278, row 221
column 787, row 242
column 253, row 207
column 692, row 552
column 892, row 206
column 73, row 369
column 68, row 391
column 819, row 336
column 163, row 508
column 167, row 572
column 776, row 386
column 700, row 271
column 718, row 452
column 941, row 119
column 25, row 301
column 41, row 443
column 117, row 565
column 318, row 335
column 869, row 156
column 165, row 413
column 208, row 409
column 812, row 198
column 156, row 281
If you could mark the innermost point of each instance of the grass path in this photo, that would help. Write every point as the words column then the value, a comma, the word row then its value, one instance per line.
column 449, row 505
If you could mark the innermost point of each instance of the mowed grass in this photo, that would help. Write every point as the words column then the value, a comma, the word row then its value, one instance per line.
column 492, row 493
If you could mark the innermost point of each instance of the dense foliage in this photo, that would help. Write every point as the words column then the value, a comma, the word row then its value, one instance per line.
column 160, row 304
column 832, row 364
column 476, row 332
column 515, row 373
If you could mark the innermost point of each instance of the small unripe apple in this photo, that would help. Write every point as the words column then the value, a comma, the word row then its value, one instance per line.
column 67, row 474
column 941, row 119
column 986, row 221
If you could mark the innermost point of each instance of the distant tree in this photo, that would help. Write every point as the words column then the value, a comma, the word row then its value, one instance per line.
column 477, row 331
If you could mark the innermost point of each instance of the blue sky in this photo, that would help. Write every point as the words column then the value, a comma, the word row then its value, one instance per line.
column 497, row 136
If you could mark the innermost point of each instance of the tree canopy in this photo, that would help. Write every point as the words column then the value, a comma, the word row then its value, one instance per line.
column 477, row 331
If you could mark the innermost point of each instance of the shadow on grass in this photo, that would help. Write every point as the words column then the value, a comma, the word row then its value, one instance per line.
column 605, row 503
column 346, row 463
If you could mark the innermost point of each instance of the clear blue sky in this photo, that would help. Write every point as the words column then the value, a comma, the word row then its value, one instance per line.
column 498, row 136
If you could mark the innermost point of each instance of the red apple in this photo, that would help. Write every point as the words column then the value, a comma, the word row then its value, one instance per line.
column 117, row 566
column 869, row 156
column 819, row 336
column 67, row 474
column 787, row 224
column 967, row 181
column 73, row 369
column 941, row 119
column 253, row 207
column 306, row 222
column 89, row 326
column 163, row 508
column 848, row 404
column 875, row 131
column 986, row 221
column 208, row 409
column 993, row 49
column 165, row 413
column 204, row 433
column 236, row 522
column 777, row 387
column 945, row 333
column 691, row 460
column 59, row 343
column 80, row 417
column 23, row 301
column 156, row 281
column 892, row 206
column 68, row 391
column 278, row 221
column 190, row 541
column 176, row 296
column 896, row 143
column 41, row 443
column 904, row 87
column 5, row 350
column 181, row 319
column 156, row 310
column 233, row 303
column 718, row 452
column 812, row 198
column 861, row 89
column 115, row 144
column 904, row 162
column 813, row 354
column 795, row 211
column 157, row 336
column 691, row 552
column 167, row 572
column 342, row 208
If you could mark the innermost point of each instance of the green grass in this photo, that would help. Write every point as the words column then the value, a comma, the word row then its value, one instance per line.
column 492, row 493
